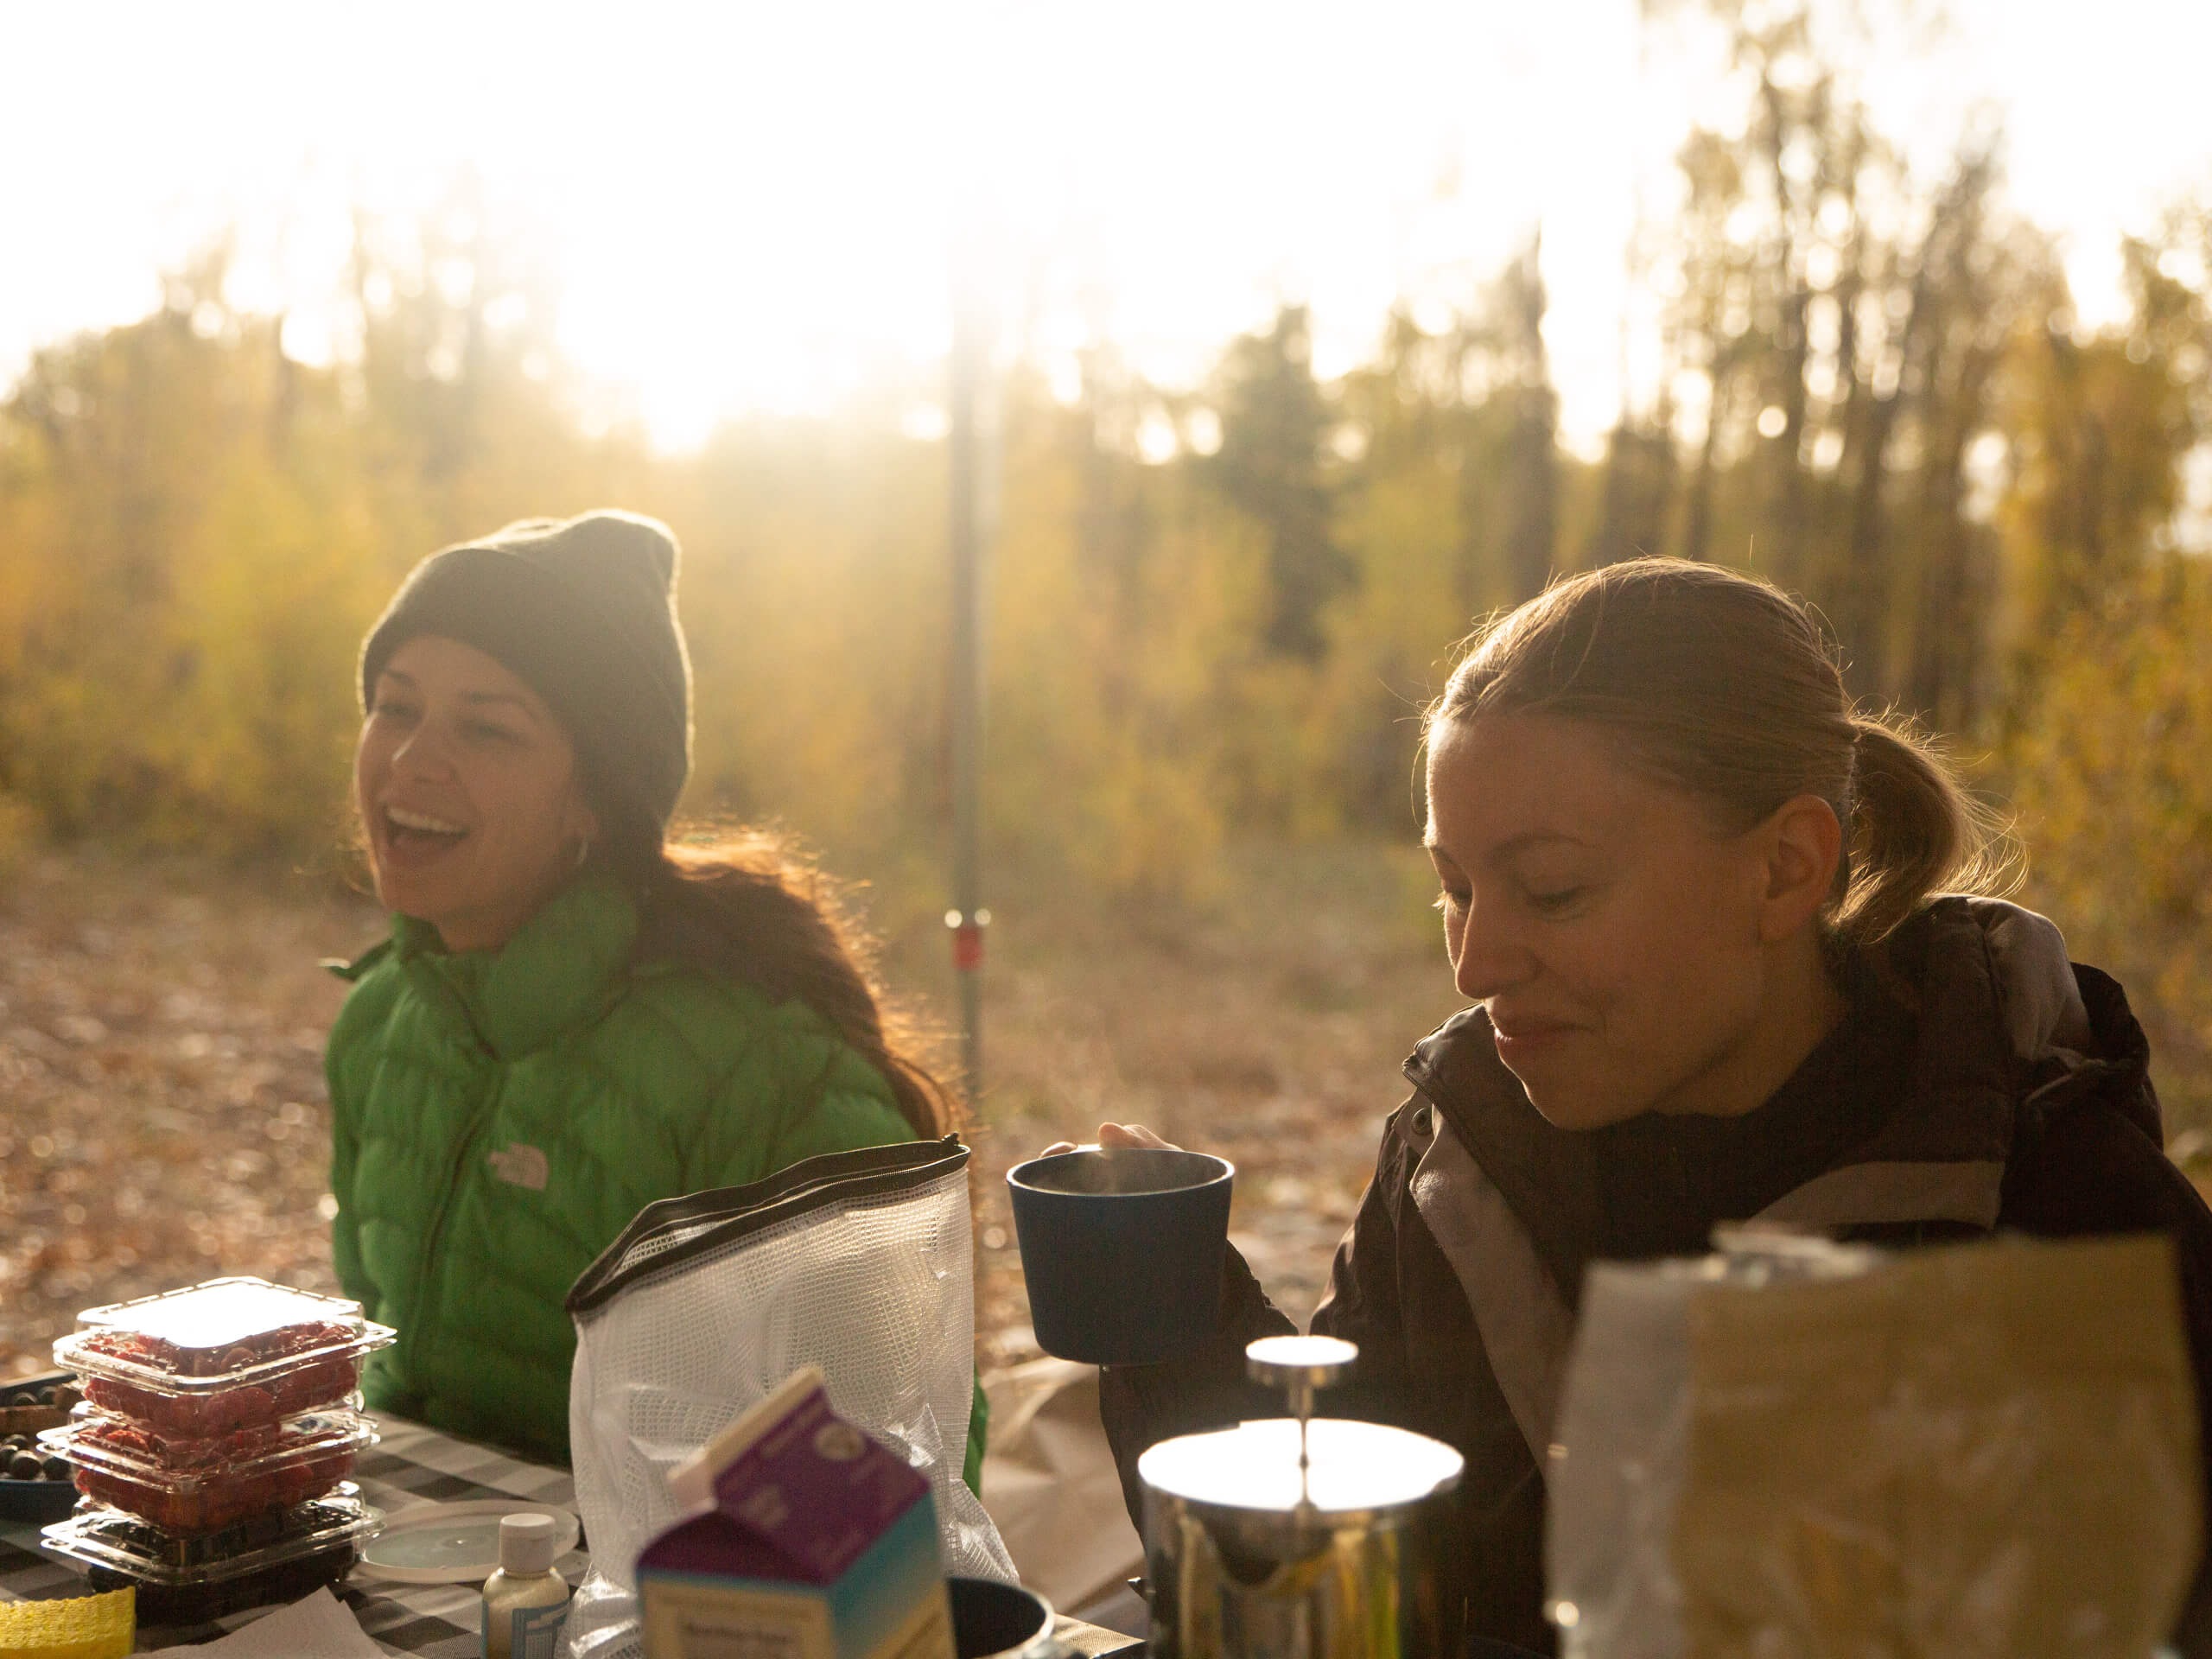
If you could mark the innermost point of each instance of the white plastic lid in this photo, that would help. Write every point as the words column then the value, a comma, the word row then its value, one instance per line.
column 526, row 1543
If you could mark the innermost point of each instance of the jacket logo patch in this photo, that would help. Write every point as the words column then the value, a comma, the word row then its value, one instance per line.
column 520, row 1165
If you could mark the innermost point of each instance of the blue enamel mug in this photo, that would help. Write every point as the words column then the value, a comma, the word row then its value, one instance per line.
column 1121, row 1247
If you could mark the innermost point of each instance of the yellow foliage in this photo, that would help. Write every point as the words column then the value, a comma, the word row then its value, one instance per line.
column 19, row 834
column 195, row 533
column 1114, row 716
column 272, row 593
column 813, row 594
column 2113, row 789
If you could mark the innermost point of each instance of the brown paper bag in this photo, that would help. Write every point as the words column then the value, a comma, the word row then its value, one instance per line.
column 1050, row 1484
column 1982, row 1450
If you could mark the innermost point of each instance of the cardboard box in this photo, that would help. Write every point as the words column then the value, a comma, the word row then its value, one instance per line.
column 808, row 1541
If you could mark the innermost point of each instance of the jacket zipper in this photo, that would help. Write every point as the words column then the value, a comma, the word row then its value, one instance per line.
column 479, row 1114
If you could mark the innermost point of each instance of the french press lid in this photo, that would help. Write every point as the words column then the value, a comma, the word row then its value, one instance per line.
column 1301, row 1464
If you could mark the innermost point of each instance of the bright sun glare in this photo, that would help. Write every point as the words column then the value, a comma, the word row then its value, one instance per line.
column 752, row 208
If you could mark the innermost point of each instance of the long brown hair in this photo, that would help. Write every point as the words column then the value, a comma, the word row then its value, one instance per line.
column 1726, row 686
column 745, row 906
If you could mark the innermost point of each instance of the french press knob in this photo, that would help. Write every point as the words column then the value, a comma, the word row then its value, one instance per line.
column 1300, row 1366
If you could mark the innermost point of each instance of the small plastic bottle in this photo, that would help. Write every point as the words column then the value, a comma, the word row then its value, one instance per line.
column 525, row 1601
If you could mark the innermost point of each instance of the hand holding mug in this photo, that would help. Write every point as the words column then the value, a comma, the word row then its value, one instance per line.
column 1112, row 1136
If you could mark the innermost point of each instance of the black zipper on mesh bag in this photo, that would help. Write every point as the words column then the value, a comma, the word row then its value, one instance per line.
column 726, row 1214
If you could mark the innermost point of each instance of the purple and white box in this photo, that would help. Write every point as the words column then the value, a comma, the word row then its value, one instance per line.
column 812, row 1542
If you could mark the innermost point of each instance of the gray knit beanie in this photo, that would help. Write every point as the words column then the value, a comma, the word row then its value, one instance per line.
column 583, row 612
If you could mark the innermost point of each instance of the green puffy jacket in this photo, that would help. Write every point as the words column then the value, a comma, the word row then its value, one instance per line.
column 498, row 1117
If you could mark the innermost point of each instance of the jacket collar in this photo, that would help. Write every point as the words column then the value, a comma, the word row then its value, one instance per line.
column 2001, row 1019
column 562, row 967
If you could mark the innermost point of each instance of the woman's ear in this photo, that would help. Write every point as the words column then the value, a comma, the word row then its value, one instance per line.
column 1804, row 843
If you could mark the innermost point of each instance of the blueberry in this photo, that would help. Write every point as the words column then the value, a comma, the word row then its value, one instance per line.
column 22, row 1466
column 56, row 1468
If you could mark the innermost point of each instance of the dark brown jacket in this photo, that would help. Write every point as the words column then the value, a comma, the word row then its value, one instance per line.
column 1982, row 1082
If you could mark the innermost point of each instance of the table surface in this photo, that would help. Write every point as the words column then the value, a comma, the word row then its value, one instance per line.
column 409, row 1465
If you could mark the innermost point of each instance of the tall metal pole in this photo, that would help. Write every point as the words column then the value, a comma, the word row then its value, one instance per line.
column 972, row 514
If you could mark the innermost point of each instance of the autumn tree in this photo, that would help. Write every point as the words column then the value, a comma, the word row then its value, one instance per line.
column 1275, row 428
column 1847, row 321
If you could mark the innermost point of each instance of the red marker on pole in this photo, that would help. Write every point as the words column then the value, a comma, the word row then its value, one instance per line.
column 967, row 940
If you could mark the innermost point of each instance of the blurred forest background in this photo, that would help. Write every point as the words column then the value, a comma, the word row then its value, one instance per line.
column 1214, row 612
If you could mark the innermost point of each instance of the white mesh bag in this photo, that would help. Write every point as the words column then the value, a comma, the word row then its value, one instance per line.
column 857, row 1262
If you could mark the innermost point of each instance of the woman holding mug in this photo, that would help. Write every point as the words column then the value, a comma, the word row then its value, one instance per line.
column 1716, row 931
column 572, row 1016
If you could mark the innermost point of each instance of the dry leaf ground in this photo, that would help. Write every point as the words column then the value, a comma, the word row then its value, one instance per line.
column 162, row 1116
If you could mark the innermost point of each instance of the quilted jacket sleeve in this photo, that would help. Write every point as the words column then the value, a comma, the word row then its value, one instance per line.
column 793, row 1090
column 848, row 1113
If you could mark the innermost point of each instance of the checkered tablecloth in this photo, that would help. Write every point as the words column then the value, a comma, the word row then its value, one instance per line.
column 409, row 1465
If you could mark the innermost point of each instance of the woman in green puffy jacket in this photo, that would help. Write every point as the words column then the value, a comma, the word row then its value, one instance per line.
column 571, row 1017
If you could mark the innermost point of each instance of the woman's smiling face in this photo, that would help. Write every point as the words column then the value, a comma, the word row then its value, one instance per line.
column 467, row 784
column 1621, row 942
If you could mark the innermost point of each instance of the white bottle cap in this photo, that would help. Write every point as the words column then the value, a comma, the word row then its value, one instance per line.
column 525, row 1543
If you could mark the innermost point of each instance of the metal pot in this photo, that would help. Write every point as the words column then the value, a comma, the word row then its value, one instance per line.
column 1296, row 1538
column 999, row 1621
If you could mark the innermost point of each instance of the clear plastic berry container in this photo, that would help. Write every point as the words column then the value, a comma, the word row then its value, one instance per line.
column 221, row 1356
column 278, row 1555
column 193, row 1486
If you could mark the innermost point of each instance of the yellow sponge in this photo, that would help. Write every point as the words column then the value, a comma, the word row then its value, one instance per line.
column 85, row 1627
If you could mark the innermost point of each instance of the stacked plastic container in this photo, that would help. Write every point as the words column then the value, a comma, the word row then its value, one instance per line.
column 219, row 1427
